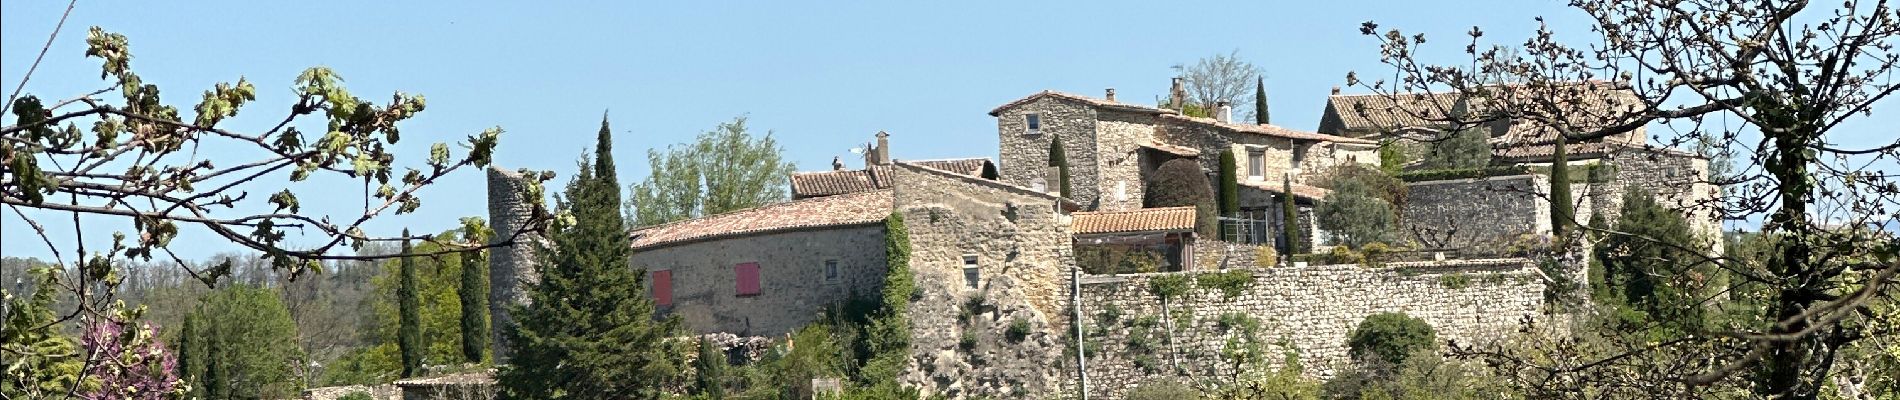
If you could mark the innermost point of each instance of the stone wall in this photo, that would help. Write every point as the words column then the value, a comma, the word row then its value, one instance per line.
column 961, row 340
column 793, row 289
column 1308, row 310
column 1482, row 215
column 510, row 268
column 1022, row 158
column 1678, row 181
column 1119, row 137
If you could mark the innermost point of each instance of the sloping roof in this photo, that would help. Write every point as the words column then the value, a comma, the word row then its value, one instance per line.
column 1376, row 112
column 1140, row 220
column 1300, row 191
column 830, row 183
column 827, row 183
column 1172, row 149
column 1268, row 130
column 1084, row 99
column 841, row 210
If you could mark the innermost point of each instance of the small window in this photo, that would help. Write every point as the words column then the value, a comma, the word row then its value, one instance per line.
column 1256, row 163
column 971, row 275
column 663, row 288
column 748, row 274
column 831, row 271
column 1299, row 154
column 1032, row 124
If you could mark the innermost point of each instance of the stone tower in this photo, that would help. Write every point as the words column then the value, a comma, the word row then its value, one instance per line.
column 510, row 268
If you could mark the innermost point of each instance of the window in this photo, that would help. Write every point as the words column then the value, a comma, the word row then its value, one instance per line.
column 1299, row 154
column 663, row 288
column 748, row 274
column 1032, row 124
column 831, row 271
column 971, row 276
column 1256, row 163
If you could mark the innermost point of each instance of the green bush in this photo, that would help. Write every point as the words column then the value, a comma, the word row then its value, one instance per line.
column 1463, row 173
column 1162, row 389
column 1171, row 286
column 1389, row 338
column 1231, row 283
column 1017, row 331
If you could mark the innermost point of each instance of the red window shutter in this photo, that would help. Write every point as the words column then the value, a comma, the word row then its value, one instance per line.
column 663, row 288
column 748, row 278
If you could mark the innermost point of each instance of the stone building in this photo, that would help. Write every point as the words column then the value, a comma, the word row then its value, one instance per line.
column 1112, row 147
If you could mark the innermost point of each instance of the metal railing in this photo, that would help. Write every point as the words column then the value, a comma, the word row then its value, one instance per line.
column 1247, row 231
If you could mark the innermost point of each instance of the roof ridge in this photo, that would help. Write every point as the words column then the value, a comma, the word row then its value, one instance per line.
column 835, row 197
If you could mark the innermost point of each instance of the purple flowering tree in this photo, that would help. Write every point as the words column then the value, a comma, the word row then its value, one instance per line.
column 128, row 362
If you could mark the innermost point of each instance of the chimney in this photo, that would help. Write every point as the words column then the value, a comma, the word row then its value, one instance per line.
column 883, row 151
column 1223, row 112
column 1335, row 90
column 1177, row 94
column 1111, row 95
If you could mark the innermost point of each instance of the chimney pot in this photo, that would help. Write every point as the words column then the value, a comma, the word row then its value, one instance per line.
column 1223, row 112
column 1111, row 95
column 883, row 148
column 1176, row 93
column 1335, row 90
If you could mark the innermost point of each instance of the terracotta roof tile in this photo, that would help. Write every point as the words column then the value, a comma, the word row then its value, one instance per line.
column 1305, row 191
column 1173, row 149
column 1141, row 220
column 830, row 183
column 840, row 210
column 1600, row 104
column 1076, row 97
column 1374, row 112
column 1269, row 130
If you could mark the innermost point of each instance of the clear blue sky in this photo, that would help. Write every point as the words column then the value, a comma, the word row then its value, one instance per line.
column 821, row 78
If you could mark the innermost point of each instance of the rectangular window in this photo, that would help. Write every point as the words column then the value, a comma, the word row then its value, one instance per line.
column 1299, row 154
column 748, row 274
column 831, row 271
column 1032, row 124
column 663, row 288
column 1256, row 163
column 971, row 275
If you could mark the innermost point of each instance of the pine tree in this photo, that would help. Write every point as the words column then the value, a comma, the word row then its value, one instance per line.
column 1059, row 158
column 1561, row 213
column 1290, row 213
column 609, row 346
column 409, row 332
column 1260, row 101
column 473, row 293
column 1229, row 183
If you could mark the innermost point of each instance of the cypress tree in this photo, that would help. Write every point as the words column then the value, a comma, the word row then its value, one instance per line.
column 191, row 356
column 1260, row 101
column 610, row 346
column 1229, row 183
column 1290, row 212
column 1560, row 201
column 1060, row 159
column 216, row 384
column 409, row 333
column 604, row 156
column 473, row 293
column 709, row 372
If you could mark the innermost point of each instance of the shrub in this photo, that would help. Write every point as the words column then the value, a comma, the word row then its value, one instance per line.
column 967, row 342
column 1169, row 286
column 1265, row 257
column 1163, row 389
column 1179, row 182
column 357, row 395
column 1455, row 281
column 1231, row 283
column 1361, row 208
column 1387, row 339
column 1017, row 331
column 1470, row 148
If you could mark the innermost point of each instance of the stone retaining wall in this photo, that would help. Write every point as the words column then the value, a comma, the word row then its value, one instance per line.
column 1309, row 310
